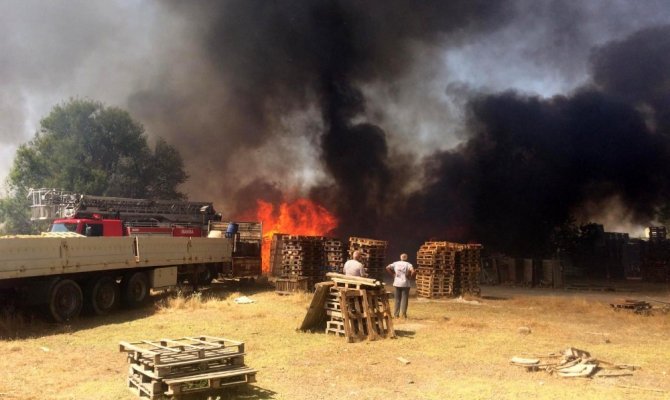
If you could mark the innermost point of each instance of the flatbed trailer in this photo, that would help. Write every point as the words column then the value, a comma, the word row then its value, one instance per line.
column 66, row 274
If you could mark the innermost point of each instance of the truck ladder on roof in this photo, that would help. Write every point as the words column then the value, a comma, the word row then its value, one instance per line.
column 50, row 204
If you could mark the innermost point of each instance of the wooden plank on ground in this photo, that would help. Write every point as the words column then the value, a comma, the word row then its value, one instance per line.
column 316, row 313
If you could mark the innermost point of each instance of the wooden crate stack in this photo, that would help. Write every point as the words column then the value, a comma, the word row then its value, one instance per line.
column 358, row 309
column 436, row 270
column 184, row 366
column 468, row 268
column 374, row 254
column 446, row 269
column 302, row 256
column 333, row 255
column 276, row 247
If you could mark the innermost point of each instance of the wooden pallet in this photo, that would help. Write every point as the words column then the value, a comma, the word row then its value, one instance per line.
column 336, row 327
column 292, row 285
column 172, row 367
column 177, row 370
column 165, row 353
column 210, row 382
column 353, row 304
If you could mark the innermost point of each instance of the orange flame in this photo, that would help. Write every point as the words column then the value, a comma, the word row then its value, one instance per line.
column 300, row 217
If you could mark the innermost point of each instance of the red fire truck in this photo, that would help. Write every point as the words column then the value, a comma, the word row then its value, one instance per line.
column 114, row 216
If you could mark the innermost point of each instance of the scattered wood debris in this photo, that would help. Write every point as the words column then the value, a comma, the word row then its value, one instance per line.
column 636, row 306
column 403, row 360
column 177, row 367
column 573, row 363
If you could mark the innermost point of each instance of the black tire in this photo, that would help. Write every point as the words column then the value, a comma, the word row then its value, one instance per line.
column 65, row 300
column 134, row 289
column 102, row 295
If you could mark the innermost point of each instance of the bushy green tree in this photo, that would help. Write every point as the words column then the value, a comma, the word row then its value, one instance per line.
column 84, row 147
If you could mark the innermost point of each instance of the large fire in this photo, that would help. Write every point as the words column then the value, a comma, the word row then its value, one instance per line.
column 299, row 217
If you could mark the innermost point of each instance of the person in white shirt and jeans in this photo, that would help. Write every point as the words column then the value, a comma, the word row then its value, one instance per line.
column 402, row 273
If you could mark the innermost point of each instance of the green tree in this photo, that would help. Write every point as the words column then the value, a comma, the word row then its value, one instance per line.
column 84, row 147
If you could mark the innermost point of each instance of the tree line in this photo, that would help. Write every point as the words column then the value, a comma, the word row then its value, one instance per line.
column 85, row 147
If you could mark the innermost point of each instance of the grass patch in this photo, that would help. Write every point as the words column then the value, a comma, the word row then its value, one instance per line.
column 456, row 350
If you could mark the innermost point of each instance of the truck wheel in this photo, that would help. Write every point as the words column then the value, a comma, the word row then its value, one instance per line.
column 102, row 295
column 135, row 289
column 65, row 300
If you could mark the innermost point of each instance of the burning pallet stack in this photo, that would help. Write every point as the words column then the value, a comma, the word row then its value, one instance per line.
column 374, row 255
column 184, row 366
column 333, row 255
column 358, row 308
column 446, row 269
column 303, row 257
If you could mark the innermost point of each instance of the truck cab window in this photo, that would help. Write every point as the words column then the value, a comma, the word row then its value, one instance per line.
column 93, row 230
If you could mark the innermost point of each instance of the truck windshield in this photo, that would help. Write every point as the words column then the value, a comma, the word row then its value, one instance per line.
column 61, row 227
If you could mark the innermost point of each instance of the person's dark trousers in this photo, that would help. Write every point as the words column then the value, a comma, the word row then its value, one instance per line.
column 401, row 299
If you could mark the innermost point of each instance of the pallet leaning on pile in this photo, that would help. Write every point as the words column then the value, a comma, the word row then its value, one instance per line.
column 176, row 367
column 446, row 269
column 374, row 254
column 358, row 308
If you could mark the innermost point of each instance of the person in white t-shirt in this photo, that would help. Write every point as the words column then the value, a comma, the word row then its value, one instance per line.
column 402, row 273
column 354, row 267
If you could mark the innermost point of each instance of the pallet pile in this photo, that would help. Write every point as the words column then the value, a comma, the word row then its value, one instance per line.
column 177, row 367
column 276, row 247
column 374, row 255
column 303, row 257
column 468, row 268
column 358, row 308
column 436, row 270
column 333, row 255
column 446, row 269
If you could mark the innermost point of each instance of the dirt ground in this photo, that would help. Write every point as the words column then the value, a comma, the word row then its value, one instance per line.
column 457, row 348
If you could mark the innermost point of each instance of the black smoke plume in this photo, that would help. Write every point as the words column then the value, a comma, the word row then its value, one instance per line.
column 526, row 163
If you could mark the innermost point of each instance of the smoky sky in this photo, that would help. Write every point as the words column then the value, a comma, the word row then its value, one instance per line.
column 461, row 120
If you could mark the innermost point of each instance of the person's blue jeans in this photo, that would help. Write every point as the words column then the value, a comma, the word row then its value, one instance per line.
column 401, row 300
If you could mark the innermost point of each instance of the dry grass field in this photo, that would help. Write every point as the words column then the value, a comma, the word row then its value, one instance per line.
column 456, row 349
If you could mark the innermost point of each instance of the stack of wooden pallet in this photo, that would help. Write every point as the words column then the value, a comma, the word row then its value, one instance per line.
column 446, row 269
column 436, row 270
column 468, row 267
column 302, row 257
column 357, row 308
column 333, row 255
column 374, row 254
column 172, row 368
column 276, row 247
